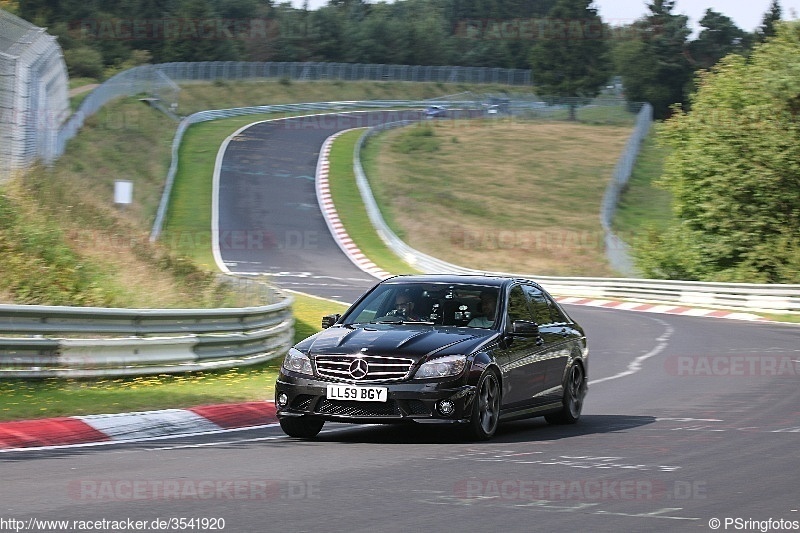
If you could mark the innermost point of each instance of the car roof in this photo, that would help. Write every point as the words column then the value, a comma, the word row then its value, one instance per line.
column 467, row 279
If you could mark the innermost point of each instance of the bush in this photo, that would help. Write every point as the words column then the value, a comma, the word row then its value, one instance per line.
column 84, row 62
column 421, row 138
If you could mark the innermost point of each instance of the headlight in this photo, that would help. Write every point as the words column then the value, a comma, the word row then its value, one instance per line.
column 297, row 361
column 450, row 365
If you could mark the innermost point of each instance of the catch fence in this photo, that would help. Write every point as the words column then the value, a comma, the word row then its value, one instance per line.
column 34, row 100
column 35, row 107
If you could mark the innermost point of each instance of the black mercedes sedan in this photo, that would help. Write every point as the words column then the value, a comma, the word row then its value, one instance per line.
column 471, row 351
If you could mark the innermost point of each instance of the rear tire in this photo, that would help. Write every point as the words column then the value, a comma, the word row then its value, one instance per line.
column 302, row 428
column 574, row 392
column 486, row 407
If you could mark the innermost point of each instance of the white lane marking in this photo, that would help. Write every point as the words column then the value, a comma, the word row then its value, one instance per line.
column 659, row 419
column 654, row 514
column 636, row 365
column 256, row 439
column 310, row 275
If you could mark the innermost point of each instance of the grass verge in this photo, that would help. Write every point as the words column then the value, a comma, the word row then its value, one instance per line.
column 187, row 229
column 350, row 208
column 518, row 196
column 643, row 206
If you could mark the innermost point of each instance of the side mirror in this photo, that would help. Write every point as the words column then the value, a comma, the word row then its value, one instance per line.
column 525, row 328
column 329, row 320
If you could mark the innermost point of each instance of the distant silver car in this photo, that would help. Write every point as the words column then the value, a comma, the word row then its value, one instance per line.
column 435, row 111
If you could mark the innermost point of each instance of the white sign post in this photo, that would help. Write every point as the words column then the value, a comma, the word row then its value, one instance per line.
column 123, row 192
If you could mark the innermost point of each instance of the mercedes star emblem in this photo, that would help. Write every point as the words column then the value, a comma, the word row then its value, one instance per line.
column 359, row 368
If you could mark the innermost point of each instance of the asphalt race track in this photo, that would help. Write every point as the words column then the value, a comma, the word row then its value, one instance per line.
column 269, row 218
column 688, row 421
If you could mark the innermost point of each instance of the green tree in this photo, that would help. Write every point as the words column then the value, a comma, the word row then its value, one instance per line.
column 771, row 17
column 290, row 43
column 430, row 38
column 327, row 34
column 734, row 171
column 571, row 59
column 197, row 37
column 488, row 53
column 653, row 62
column 238, row 9
column 12, row 6
column 153, row 10
column 383, row 36
column 720, row 36
column 84, row 62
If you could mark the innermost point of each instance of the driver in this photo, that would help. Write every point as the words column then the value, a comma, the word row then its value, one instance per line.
column 404, row 307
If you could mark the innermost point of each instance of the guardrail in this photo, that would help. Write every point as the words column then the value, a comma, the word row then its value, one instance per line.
column 739, row 296
column 78, row 342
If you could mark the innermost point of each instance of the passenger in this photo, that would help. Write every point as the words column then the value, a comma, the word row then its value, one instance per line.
column 488, row 308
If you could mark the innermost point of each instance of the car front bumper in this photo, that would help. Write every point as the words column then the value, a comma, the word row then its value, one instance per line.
column 406, row 401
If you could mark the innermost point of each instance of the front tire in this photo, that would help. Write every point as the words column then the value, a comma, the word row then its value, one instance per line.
column 574, row 392
column 486, row 407
column 302, row 428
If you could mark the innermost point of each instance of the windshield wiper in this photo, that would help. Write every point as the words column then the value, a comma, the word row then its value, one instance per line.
column 389, row 320
column 398, row 321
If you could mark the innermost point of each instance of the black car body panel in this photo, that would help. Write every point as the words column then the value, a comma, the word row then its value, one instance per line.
column 386, row 339
column 426, row 361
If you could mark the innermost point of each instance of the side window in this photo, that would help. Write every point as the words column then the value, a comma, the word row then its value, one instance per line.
column 558, row 316
column 539, row 305
column 518, row 305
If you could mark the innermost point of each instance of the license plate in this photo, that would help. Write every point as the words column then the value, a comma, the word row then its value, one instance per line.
column 355, row 393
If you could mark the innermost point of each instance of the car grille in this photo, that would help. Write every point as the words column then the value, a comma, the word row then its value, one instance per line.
column 380, row 368
column 416, row 407
column 301, row 402
column 345, row 408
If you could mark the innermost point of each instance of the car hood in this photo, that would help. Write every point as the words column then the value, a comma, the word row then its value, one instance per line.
column 414, row 342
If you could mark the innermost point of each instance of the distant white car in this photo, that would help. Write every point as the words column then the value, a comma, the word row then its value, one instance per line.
column 493, row 109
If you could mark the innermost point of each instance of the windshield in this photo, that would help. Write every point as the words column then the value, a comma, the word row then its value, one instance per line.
column 432, row 303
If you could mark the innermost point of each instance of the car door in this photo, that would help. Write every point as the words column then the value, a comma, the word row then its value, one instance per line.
column 556, row 334
column 523, row 358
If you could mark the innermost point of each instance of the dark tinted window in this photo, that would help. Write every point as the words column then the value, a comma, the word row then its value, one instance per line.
column 449, row 304
column 558, row 316
column 539, row 305
column 518, row 305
